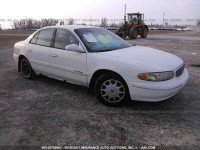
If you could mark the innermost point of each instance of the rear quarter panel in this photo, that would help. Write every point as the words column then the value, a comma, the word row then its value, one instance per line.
column 19, row 48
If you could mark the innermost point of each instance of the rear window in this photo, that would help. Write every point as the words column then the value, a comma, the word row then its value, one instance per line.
column 45, row 37
column 34, row 39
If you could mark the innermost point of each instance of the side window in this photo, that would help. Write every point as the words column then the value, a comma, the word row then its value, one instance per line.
column 45, row 37
column 34, row 39
column 64, row 38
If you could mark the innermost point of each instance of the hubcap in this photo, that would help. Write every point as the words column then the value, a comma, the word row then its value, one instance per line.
column 112, row 91
column 25, row 68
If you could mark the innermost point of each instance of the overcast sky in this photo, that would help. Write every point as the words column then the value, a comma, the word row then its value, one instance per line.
column 85, row 9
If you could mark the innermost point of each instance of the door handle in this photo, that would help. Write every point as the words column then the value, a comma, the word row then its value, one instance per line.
column 29, row 50
column 54, row 55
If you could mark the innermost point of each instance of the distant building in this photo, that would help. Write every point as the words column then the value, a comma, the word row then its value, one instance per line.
column 0, row 27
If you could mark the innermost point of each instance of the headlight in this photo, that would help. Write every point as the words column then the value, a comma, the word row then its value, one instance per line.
column 156, row 76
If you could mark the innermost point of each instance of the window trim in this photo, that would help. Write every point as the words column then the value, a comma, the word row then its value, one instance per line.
column 52, row 40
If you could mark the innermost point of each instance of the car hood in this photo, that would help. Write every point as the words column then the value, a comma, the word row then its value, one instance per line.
column 152, row 58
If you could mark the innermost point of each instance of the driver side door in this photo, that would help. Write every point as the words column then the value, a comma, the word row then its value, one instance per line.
column 67, row 65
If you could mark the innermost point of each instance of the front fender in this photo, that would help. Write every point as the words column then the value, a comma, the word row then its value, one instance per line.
column 124, row 67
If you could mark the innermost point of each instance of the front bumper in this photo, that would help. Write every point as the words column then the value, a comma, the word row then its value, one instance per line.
column 157, row 91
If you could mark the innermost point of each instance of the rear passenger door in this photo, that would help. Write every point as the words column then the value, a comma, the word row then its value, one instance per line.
column 38, row 51
column 67, row 65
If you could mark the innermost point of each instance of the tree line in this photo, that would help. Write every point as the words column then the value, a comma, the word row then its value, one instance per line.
column 32, row 23
column 29, row 24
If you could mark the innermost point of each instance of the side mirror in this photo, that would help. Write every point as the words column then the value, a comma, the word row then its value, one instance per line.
column 75, row 48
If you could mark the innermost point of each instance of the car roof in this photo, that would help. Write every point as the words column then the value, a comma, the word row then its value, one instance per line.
column 70, row 27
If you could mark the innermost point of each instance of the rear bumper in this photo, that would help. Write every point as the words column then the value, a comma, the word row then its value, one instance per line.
column 15, row 57
column 157, row 91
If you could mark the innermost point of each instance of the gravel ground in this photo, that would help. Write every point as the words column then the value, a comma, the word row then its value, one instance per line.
column 50, row 112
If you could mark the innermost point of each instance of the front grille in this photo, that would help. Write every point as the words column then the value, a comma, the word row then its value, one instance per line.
column 180, row 70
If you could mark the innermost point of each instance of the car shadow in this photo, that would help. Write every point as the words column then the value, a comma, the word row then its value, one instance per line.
column 60, row 85
column 172, row 104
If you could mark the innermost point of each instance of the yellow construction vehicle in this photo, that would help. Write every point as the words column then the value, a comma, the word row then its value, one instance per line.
column 133, row 27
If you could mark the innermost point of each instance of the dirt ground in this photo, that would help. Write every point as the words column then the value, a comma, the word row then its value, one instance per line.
column 49, row 112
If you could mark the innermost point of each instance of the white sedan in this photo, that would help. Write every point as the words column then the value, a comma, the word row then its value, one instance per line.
column 98, row 59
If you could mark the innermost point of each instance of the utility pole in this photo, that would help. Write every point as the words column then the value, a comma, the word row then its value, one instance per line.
column 125, row 13
column 164, row 19
column 125, row 24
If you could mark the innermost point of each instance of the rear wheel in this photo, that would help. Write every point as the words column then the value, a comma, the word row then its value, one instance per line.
column 111, row 90
column 26, row 69
column 133, row 33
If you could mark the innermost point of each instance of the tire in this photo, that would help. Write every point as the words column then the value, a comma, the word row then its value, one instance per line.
column 133, row 33
column 144, row 33
column 26, row 69
column 111, row 90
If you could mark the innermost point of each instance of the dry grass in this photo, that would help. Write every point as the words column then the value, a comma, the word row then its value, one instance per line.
column 177, row 33
column 16, row 32
column 190, row 35
column 157, row 31
column 7, row 39
column 164, row 32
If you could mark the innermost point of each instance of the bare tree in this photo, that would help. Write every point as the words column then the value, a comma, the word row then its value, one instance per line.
column 36, row 24
column 71, row 21
column 29, row 23
column 48, row 22
column 113, row 25
column 15, row 24
column 104, row 22
column 33, row 23
column 0, row 27
column 62, row 22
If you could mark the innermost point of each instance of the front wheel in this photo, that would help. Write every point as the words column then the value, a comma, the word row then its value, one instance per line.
column 111, row 90
column 133, row 33
column 26, row 69
column 144, row 33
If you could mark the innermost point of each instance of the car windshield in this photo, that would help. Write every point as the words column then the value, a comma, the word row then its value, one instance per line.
column 100, row 40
